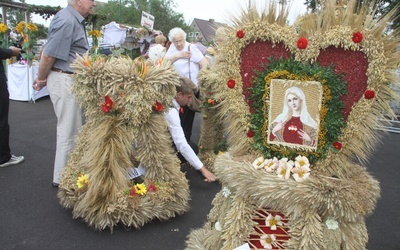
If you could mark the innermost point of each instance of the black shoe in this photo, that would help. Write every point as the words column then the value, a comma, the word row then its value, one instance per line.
column 54, row 184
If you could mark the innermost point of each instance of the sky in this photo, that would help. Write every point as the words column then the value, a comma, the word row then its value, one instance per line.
column 219, row 10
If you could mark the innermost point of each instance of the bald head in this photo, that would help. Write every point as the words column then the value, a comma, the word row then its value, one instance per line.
column 84, row 7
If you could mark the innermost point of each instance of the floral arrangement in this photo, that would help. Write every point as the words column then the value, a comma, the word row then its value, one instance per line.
column 27, row 32
column 332, row 122
column 95, row 34
column 329, row 204
column 142, row 188
column 284, row 168
column 3, row 30
column 124, row 102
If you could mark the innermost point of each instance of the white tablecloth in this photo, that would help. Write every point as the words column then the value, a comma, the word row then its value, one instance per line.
column 20, row 79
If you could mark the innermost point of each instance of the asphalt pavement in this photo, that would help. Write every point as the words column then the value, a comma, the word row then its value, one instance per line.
column 32, row 218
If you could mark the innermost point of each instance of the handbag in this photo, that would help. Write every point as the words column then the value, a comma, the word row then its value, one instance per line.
column 195, row 105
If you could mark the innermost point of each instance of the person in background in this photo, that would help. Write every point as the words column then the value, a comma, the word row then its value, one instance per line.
column 199, row 44
column 14, row 35
column 158, row 50
column 187, row 60
column 66, row 38
column 187, row 152
column 6, row 158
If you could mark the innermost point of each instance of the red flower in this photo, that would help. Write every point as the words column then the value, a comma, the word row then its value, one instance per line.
column 357, row 37
column 240, row 33
column 231, row 84
column 337, row 145
column 152, row 187
column 369, row 94
column 107, row 105
column 181, row 110
column 132, row 192
column 158, row 107
column 302, row 43
column 250, row 133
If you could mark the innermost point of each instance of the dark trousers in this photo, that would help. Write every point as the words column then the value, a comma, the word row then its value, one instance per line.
column 4, row 126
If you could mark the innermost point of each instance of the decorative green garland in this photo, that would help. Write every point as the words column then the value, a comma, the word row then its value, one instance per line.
column 332, row 119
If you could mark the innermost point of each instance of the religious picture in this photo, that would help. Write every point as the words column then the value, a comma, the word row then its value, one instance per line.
column 293, row 118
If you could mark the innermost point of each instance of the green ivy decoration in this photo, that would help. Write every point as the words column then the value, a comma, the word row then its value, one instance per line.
column 332, row 118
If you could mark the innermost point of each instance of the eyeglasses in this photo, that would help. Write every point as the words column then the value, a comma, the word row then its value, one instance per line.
column 179, row 41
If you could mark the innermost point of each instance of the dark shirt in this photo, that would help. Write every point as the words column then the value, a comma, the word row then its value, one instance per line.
column 4, row 54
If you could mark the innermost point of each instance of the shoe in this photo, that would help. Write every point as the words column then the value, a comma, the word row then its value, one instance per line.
column 13, row 160
column 54, row 184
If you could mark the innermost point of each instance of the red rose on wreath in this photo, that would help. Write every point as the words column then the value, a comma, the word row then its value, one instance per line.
column 240, row 34
column 158, row 107
column 357, row 37
column 302, row 43
column 337, row 145
column 369, row 94
column 231, row 84
column 107, row 105
column 152, row 187
column 250, row 133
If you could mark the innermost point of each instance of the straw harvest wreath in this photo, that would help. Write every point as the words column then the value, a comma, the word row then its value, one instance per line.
column 124, row 101
column 279, row 191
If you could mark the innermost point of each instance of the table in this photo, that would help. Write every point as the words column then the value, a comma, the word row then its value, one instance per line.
column 20, row 79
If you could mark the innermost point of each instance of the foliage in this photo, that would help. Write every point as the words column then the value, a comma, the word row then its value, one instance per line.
column 331, row 125
column 131, row 12
column 3, row 30
column 28, row 32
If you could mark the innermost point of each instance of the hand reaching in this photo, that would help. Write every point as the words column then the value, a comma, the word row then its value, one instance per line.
column 209, row 177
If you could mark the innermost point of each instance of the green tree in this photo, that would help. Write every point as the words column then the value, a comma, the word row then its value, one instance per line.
column 130, row 13
column 14, row 16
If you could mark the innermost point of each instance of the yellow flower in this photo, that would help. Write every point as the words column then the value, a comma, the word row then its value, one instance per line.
column 32, row 27
column 140, row 189
column 82, row 181
column 3, row 28
column 95, row 33
column 20, row 27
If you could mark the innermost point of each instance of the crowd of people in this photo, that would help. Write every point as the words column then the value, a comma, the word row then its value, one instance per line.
column 55, row 72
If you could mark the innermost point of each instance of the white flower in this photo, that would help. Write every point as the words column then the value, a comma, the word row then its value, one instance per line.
column 273, row 221
column 226, row 192
column 284, row 168
column 301, row 161
column 301, row 173
column 270, row 165
column 218, row 226
column 267, row 240
column 332, row 224
column 258, row 163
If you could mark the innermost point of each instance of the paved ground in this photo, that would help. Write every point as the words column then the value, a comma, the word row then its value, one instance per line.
column 31, row 217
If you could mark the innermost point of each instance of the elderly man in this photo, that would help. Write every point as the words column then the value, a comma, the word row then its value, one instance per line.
column 66, row 38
